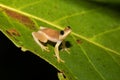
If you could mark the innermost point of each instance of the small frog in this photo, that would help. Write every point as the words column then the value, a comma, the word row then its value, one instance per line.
column 47, row 34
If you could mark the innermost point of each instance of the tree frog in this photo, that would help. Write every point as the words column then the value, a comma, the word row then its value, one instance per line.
column 47, row 34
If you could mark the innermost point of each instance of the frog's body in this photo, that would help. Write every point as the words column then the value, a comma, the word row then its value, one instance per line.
column 47, row 34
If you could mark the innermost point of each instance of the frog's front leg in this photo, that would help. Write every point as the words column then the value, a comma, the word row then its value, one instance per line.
column 38, row 37
column 57, row 51
column 64, row 47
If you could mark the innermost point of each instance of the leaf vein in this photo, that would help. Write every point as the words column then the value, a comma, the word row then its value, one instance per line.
column 68, row 16
column 105, row 32
column 95, row 43
column 59, row 27
column 92, row 63
column 30, row 4
column 89, row 60
column 72, row 15
column 113, row 59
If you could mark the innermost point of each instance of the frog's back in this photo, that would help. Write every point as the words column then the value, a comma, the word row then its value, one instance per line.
column 52, row 35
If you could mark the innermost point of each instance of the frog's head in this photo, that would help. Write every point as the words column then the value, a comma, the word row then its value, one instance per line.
column 64, row 33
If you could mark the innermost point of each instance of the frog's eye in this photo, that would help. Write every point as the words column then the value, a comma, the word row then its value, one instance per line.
column 61, row 32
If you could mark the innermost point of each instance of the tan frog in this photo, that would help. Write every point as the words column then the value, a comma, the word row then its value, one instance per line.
column 47, row 34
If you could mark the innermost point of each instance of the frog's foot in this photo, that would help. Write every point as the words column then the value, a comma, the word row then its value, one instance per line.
column 67, row 50
column 44, row 48
column 59, row 59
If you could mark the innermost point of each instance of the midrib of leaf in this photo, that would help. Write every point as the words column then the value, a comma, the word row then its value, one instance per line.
column 57, row 26
column 95, row 43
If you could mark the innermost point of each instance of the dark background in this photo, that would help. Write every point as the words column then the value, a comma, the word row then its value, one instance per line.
column 18, row 65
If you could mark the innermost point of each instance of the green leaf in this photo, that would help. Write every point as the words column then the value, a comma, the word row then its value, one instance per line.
column 108, row 1
column 94, row 41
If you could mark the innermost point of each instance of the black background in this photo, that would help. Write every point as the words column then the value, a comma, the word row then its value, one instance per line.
column 18, row 65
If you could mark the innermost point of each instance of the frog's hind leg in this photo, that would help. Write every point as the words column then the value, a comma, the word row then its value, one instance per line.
column 38, row 37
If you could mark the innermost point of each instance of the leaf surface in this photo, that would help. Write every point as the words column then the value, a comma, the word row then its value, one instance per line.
column 94, row 41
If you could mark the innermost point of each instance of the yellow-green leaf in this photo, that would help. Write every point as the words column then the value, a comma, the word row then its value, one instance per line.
column 94, row 41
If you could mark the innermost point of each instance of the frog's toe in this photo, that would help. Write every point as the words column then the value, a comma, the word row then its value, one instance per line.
column 60, row 60
column 67, row 50
column 45, row 49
